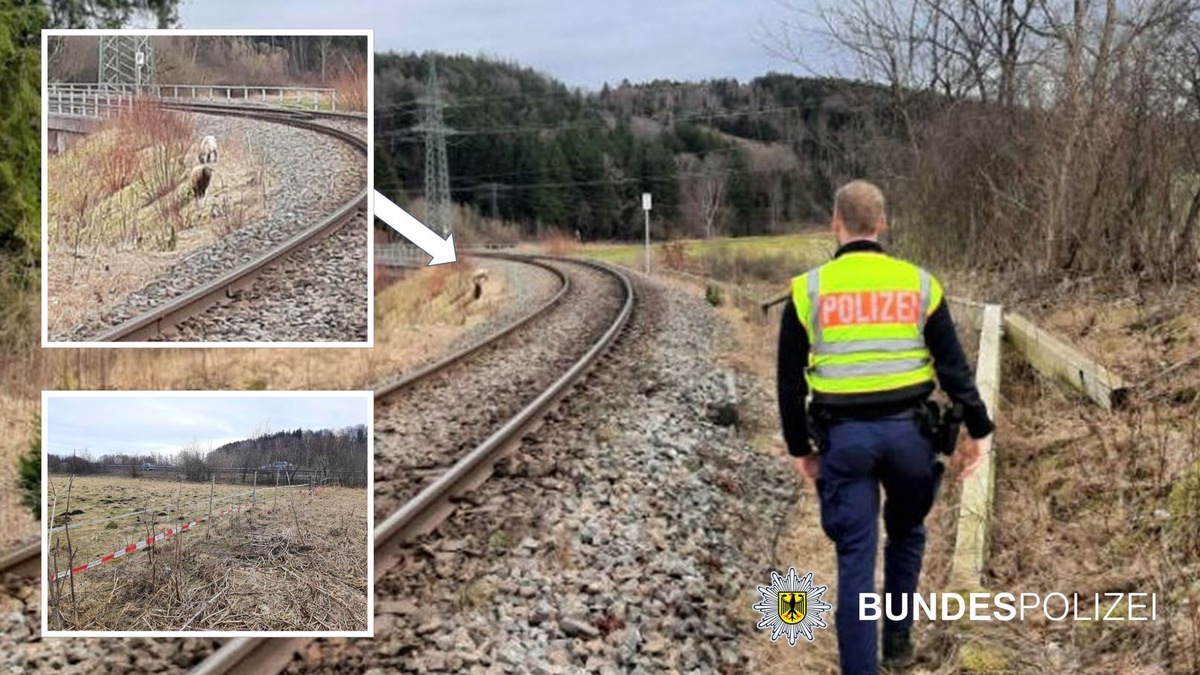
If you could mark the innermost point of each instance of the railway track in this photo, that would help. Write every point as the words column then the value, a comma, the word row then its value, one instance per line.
column 466, row 469
column 434, row 501
column 163, row 318
column 26, row 561
column 305, row 296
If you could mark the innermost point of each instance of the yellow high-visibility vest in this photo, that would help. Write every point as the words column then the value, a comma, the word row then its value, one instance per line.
column 865, row 313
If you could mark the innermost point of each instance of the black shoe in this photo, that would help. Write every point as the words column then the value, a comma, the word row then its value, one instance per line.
column 897, row 649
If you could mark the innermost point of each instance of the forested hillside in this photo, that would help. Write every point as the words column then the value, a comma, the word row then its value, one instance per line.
column 720, row 157
column 342, row 449
column 333, row 449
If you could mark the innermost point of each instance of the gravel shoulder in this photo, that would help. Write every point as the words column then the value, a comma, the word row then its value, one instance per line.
column 316, row 295
column 628, row 533
column 308, row 175
column 424, row 429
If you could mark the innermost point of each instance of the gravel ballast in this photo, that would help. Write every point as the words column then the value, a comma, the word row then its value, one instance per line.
column 421, row 430
column 627, row 534
column 310, row 175
column 318, row 294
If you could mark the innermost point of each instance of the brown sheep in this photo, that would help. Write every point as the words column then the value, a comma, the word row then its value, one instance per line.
column 201, row 176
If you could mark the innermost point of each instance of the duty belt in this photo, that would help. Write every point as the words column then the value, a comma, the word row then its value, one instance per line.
column 937, row 424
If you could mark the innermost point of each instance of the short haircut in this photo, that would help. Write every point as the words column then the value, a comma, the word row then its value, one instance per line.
column 861, row 207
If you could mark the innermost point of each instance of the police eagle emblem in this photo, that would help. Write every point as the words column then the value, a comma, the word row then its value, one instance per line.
column 791, row 606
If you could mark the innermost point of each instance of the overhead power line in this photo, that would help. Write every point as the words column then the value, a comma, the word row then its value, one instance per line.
column 438, row 207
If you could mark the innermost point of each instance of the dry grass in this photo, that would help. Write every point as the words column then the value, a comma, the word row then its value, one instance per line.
column 295, row 562
column 415, row 319
column 350, row 81
column 1086, row 501
column 149, row 501
column 558, row 243
column 121, row 210
column 16, row 429
column 803, row 544
column 1094, row 502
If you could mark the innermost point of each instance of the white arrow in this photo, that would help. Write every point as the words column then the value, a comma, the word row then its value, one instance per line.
column 413, row 230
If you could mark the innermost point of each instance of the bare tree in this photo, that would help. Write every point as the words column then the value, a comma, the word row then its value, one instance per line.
column 704, row 188
column 1072, row 123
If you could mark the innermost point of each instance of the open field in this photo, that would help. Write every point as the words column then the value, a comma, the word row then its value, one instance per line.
column 295, row 561
column 107, row 511
column 755, row 261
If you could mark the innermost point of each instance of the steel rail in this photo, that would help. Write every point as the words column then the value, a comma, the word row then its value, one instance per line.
column 25, row 561
column 424, row 372
column 433, row 504
column 157, row 320
column 210, row 106
column 423, row 512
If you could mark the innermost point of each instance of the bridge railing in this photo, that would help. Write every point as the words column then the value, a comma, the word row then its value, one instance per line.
column 400, row 255
column 82, row 103
column 309, row 98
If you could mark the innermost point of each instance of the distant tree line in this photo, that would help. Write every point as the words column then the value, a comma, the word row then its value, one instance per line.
column 334, row 450
column 221, row 59
column 322, row 450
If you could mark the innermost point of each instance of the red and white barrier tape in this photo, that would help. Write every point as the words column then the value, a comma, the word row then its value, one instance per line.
column 139, row 545
column 200, row 502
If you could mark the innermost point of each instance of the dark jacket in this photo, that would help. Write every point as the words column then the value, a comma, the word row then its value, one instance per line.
column 953, row 374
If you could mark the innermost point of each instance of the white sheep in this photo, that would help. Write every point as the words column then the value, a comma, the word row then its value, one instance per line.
column 208, row 150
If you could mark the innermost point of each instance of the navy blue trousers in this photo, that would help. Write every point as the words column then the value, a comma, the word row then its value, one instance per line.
column 861, row 456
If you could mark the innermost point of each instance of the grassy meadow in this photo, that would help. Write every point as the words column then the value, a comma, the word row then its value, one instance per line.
column 295, row 561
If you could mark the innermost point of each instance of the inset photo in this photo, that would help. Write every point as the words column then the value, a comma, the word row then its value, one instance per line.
column 207, row 513
column 206, row 188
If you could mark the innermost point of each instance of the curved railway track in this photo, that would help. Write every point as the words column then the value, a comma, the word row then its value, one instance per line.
column 433, row 503
column 26, row 561
column 165, row 316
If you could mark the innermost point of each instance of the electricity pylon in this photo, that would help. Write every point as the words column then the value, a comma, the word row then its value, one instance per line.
column 438, row 206
column 127, row 60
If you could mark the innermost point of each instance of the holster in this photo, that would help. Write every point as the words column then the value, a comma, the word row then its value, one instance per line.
column 819, row 420
column 940, row 425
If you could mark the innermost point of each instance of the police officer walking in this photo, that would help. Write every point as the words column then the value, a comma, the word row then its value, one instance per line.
column 867, row 333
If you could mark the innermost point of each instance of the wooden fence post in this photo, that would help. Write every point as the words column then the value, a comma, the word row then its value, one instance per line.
column 978, row 489
column 211, row 491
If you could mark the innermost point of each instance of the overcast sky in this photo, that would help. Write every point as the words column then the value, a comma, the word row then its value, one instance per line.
column 583, row 43
column 164, row 424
